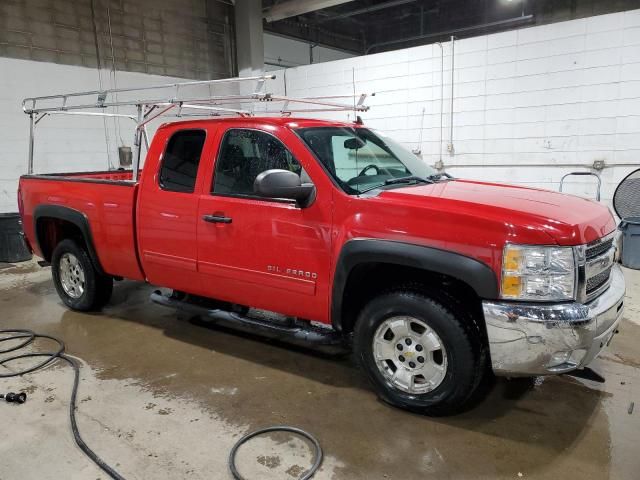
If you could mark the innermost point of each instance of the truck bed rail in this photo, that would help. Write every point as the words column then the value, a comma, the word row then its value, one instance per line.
column 105, row 176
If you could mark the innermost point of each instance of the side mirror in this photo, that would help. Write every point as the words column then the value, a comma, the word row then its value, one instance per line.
column 284, row 184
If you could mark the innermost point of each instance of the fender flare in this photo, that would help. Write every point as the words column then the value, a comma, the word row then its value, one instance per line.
column 478, row 275
column 74, row 217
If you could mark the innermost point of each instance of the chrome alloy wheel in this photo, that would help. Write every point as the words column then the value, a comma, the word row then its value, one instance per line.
column 71, row 275
column 409, row 354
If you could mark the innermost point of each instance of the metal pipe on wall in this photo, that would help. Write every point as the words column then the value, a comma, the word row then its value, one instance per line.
column 440, row 165
column 546, row 165
column 137, row 144
column 453, row 56
column 30, row 160
column 311, row 47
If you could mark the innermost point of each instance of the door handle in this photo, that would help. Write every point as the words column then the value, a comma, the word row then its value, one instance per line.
column 216, row 219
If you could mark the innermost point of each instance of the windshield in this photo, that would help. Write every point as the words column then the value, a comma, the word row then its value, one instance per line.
column 361, row 160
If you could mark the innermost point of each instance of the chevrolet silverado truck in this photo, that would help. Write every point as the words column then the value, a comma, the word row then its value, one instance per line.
column 331, row 235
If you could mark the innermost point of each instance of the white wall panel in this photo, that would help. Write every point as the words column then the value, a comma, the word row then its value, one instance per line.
column 529, row 105
column 62, row 143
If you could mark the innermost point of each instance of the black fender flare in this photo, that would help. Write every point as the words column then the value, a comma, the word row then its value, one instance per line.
column 74, row 217
column 478, row 275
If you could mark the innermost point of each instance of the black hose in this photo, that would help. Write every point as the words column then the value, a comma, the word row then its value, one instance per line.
column 283, row 428
column 27, row 337
column 49, row 358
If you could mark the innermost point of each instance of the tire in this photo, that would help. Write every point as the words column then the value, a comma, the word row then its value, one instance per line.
column 453, row 356
column 79, row 285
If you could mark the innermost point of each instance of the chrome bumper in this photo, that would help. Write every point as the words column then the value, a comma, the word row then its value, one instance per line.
column 538, row 339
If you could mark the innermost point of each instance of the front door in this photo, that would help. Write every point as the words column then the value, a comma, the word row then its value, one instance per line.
column 259, row 252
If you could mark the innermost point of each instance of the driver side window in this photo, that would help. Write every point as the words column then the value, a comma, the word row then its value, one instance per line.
column 244, row 154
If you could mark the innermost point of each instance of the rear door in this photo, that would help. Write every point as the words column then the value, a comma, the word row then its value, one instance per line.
column 259, row 252
column 168, row 207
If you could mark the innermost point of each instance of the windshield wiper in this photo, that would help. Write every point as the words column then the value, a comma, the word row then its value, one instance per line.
column 438, row 176
column 410, row 178
column 399, row 180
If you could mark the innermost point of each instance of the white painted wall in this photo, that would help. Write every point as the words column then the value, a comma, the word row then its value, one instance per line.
column 529, row 104
column 63, row 144
column 291, row 53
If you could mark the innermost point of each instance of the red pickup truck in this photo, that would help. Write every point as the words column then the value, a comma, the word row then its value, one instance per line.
column 332, row 235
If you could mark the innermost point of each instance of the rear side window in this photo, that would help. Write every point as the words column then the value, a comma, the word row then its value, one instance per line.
column 180, row 161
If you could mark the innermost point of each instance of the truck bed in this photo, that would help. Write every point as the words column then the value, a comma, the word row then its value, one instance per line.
column 106, row 199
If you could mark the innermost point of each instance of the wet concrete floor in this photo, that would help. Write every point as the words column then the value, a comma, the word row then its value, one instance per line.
column 163, row 398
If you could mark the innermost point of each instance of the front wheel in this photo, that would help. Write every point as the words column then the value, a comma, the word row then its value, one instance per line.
column 79, row 285
column 418, row 353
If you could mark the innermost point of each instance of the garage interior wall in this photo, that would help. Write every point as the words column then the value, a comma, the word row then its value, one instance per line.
column 529, row 105
column 49, row 47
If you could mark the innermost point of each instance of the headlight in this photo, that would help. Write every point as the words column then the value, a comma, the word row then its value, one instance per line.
column 542, row 273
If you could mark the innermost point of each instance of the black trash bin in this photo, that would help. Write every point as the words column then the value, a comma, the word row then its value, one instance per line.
column 13, row 248
column 630, row 228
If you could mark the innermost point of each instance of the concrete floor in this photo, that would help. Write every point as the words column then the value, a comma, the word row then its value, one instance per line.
column 162, row 398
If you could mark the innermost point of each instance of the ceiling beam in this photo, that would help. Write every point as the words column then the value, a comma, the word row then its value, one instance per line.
column 314, row 34
column 372, row 8
column 292, row 8
column 492, row 26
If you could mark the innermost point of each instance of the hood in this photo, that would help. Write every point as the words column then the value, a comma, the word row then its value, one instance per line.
column 568, row 219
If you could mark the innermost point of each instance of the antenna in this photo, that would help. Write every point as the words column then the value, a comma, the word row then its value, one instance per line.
column 353, row 83
column 418, row 149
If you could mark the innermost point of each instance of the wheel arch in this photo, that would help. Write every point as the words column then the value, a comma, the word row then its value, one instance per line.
column 406, row 263
column 53, row 223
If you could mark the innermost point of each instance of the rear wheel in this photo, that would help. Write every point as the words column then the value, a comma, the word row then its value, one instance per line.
column 79, row 285
column 418, row 353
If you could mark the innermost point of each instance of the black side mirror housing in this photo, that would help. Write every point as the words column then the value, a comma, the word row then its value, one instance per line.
column 278, row 183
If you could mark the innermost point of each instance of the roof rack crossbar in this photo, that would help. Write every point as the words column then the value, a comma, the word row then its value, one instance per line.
column 102, row 94
column 149, row 109
column 106, row 98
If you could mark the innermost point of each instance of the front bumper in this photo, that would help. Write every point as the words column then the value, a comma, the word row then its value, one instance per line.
column 538, row 339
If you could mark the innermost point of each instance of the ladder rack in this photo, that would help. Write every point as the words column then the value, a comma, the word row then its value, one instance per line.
column 179, row 100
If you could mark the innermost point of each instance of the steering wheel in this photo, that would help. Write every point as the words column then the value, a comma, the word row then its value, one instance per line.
column 368, row 167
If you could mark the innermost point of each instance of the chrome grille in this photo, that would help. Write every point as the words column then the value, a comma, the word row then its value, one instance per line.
column 598, row 247
column 596, row 269
column 597, row 281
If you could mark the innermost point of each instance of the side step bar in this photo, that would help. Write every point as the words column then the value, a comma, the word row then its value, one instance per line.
column 307, row 336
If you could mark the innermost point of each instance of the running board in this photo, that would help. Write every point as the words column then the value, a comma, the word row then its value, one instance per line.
column 307, row 336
